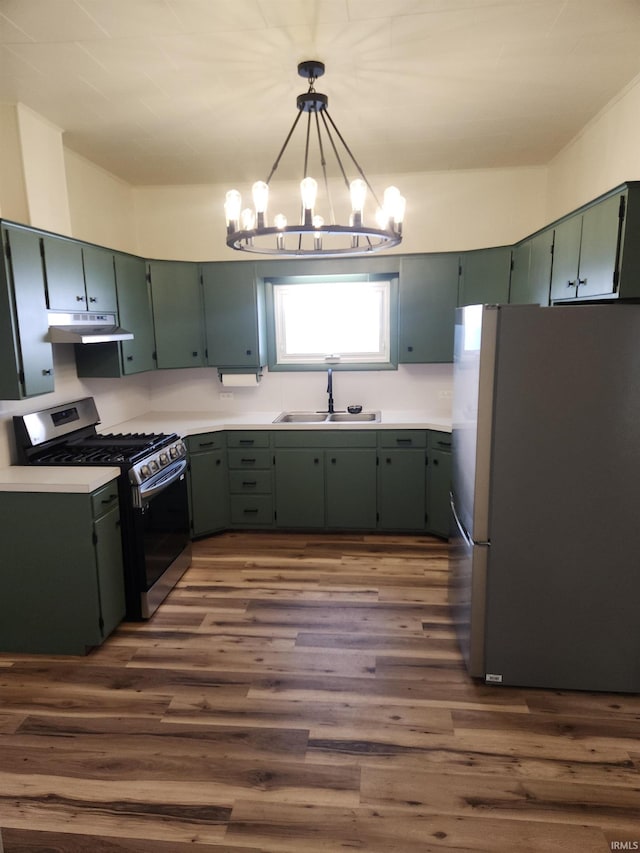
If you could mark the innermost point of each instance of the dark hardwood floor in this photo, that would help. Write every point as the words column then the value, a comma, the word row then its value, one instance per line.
column 305, row 693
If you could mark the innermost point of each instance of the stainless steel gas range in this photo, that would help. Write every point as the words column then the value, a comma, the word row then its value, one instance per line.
column 152, row 488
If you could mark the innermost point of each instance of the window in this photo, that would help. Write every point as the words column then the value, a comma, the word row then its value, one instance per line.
column 332, row 322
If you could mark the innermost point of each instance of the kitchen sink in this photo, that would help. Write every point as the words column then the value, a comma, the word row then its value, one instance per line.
column 326, row 418
column 301, row 418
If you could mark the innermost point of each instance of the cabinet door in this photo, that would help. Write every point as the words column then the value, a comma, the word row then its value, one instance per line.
column 27, row 357
column 566, row 258
column 299, row 486
column 209, row 492
column 531, row 271
column 484, row 276
column 438, row 488
column 601, row 226
column 234, row 315
column 110, row 573
column 99, row 279
column 134, row 310
column 176, row 296
column 64, row 274
column 401, row 489
column 519, row 286
column 350, row 489
column 427, row 301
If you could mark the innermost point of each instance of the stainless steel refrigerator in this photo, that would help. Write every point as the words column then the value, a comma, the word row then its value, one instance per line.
column 545, row 570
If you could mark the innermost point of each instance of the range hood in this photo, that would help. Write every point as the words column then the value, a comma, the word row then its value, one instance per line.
column 85, row 329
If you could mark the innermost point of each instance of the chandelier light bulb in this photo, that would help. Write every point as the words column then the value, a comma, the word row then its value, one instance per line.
column 280, row 221
column 232, row 206
column 308, row 192
column 358, row 192
column 260, row 193
column 248, row 219
column 390, row 203
column 382, row 219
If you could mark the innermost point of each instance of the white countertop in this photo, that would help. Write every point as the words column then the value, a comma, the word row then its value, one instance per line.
column 192, row 423
column 82, row 479
column 87, row 478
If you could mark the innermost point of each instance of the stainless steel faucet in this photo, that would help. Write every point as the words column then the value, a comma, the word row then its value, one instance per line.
column 330, row 389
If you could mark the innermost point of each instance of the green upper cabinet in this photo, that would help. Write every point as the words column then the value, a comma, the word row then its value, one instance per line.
column 234, row 315
column 121, row 358
column 531, row 270
column 78, row 278
column 484, row 276
column 596, row 253
column 26, row 357
column 176, row 295
column 427, row 301
column 99, row 279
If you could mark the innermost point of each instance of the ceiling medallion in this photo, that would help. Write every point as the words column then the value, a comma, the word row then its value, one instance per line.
column 248, row 231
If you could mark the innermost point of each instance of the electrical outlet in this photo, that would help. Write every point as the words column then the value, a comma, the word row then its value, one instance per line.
column 226, row 395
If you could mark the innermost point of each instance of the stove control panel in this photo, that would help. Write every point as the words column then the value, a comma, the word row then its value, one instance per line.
column 156, row 461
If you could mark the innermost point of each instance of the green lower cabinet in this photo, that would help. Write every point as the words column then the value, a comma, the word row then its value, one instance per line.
column 63, row 589
column 350, row 477
column 208, row 483
column 401, row 489
column 250, row 461
column 299, row 487
column 439, row 484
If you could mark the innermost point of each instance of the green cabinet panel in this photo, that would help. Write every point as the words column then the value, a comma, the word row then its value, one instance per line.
column 248, row 438
column 401, row 489
column 250, row 482
column 205, row 441
column 299, row 488
column 250, row 478
column 251, row 511
column 484, row 276
column 63, row 590
column 26, row 357
column 234, row 315
column 427, row 300
column 176, row 295
column 587, row 252
column 531, row 270
column 350, row 488
column 208, row 491
column 64, row 274
column 122, row 358
column 99, row 279
column 439, row 484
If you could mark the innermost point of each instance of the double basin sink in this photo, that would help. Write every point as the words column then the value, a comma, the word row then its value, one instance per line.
column 327, row 418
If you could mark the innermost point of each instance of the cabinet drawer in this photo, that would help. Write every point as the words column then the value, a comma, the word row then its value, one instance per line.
column 248, row 439
column 250, row 511
column 249, row 458
column 250, row 482
column 325, row 438
column 402, row 438
column 205, row 441
column 440, row 441
column 104, row 499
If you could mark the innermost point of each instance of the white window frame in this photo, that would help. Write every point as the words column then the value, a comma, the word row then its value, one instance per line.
column 380, row 286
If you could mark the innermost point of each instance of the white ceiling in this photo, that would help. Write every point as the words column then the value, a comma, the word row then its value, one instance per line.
column 199, row 91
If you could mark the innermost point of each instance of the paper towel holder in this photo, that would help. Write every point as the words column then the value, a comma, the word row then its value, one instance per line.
column 239, row 377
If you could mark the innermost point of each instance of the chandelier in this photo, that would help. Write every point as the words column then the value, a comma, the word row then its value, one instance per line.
column 248, row 229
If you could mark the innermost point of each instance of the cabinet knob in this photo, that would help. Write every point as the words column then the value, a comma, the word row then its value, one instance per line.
column 388, row 461
column 435, row 461
column 409, row 349
column 581, row 281
column 47, row 371
column 79, row 298
column 571, row 284
column 195, row 353
column 248, row 352
column 92, row 299
column 218, row 461
column 129, row 358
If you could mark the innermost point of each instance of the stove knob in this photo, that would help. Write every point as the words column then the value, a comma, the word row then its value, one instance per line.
column 153, row 465
column 173, row 451
column 164, row 458
column 144, row 471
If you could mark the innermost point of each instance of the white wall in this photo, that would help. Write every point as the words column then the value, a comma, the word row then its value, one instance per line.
column 13, row 193
column 604, row 154
column 100, row 205
column 446, row 211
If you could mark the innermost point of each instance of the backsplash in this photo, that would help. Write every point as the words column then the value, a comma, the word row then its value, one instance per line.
column 416, row 386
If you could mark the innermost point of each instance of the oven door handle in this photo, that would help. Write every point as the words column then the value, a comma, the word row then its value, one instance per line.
column 163, row 480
